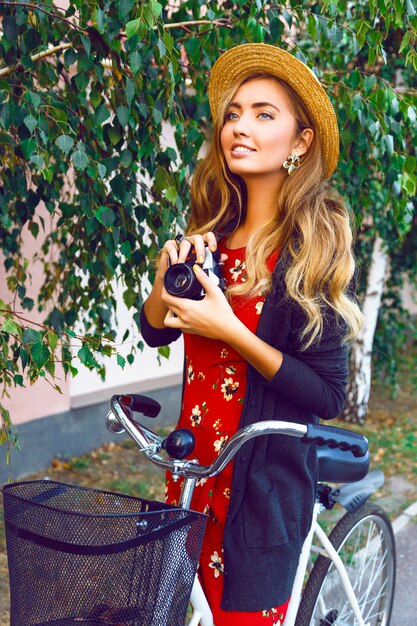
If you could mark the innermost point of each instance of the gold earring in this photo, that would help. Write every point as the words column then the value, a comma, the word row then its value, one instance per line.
column 292, row 163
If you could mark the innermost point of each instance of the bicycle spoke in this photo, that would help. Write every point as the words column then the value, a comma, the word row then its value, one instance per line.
column 366, row 548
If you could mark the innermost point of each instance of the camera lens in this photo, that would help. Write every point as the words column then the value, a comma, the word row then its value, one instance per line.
column 179, row 280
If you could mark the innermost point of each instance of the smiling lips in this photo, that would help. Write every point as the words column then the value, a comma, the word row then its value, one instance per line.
column 239, row 149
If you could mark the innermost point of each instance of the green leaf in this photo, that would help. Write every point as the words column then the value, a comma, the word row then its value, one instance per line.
column 123, row 114
column 86, row 357
column 171, row 194
column 65, row 143
column 389, row 142
column 79, row 159
column 9, row 28
column 193, row 48
column 34, row 98
column 132, row 27
column 126, row 158
column 311, row 26
column 102, row 171
column 31, row 336
column 34, row 228
column 86, row 43
column 405, row 42
column 125, row 6
column 164, row 351
column 126, row 249
column 18, row 379
column 40, row 354
column 157, row 116
column 30, row 123
column 52, row 339
column 130, row 91
column 101, row 20
column 135, row 61
column 105, row 216
column 50, row 368
column 10, row 326
column 121, row 361
column 161, row 47
column 24, row 357
column 28, row 147
column 28, row 303
column 102, row 113
column 114, row 135
column 70, row 57
column 168, row 41
column 129, row 297
column 156, row 8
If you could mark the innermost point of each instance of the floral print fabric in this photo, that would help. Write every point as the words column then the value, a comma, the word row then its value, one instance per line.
column 214, row 393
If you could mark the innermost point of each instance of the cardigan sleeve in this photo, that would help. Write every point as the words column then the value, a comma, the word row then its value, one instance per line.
column 156, row 337
column 316, row 378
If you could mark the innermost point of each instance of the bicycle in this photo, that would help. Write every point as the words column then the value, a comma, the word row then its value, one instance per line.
column 344, row 579
column 352, row 581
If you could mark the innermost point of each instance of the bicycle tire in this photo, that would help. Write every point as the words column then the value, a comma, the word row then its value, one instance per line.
column 371, row 572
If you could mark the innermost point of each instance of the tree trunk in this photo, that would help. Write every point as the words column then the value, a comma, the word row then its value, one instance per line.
column 360, row 362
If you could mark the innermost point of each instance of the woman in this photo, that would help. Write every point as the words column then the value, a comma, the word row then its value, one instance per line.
column 274, row 345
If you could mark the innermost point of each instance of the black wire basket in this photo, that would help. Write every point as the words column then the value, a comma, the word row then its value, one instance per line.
column 85, row 557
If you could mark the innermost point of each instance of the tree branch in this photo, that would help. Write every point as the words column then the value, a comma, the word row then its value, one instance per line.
column 5, row 71
column 37, row 7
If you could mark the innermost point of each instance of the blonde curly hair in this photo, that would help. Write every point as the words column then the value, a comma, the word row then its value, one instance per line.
column 311, row 222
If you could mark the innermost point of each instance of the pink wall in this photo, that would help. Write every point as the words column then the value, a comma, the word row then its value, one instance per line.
column 40, row 399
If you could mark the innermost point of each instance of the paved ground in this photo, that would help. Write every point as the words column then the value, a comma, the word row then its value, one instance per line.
column 405, row 601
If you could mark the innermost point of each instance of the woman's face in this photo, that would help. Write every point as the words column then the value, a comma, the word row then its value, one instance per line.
column 260, row 130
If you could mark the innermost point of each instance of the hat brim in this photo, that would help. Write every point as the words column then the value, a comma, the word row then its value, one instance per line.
column 242, row 60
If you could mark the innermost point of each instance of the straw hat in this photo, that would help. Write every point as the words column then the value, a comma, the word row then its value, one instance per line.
column 241, row 60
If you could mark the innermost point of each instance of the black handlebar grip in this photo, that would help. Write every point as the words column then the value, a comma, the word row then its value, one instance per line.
column 333, row 437
column 141, row 404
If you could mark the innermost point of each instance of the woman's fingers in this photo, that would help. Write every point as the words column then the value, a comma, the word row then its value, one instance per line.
column 184, row 250
column 178, row 253
column 170, row 250
column 211, row 241
column 200, row 242
column 199, row 247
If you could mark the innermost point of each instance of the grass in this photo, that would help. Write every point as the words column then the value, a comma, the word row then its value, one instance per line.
column 392, row 443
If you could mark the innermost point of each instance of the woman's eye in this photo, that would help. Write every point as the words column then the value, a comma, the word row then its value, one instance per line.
column 231, row 115
column 266, row 116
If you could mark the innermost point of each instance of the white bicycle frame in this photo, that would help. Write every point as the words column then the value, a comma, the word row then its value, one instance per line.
column 149, row 444
column 203, row 616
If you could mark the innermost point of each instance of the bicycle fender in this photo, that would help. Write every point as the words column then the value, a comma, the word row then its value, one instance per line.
column 353, row 495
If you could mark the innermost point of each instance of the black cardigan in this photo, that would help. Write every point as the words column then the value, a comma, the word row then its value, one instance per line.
column 274, row 477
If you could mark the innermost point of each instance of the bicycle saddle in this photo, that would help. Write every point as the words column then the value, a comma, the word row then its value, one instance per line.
column 339, row 466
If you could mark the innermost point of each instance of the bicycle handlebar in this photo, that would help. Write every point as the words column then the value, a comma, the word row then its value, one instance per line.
column 150, row 444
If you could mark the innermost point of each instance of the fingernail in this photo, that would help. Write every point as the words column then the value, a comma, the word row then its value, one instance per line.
column 213, row 247
column 201, row 259
column 197, row 269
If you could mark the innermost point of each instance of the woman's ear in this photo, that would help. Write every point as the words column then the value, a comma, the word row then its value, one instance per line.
column 303, row 142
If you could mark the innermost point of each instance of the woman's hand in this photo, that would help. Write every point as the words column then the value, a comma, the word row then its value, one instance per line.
column 172, row 253
column 210, row 317
column 213, row 317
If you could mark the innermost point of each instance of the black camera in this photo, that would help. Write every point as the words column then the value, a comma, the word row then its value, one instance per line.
column 180, row 280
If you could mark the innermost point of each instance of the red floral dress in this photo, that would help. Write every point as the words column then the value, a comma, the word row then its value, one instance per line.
column 212, row 403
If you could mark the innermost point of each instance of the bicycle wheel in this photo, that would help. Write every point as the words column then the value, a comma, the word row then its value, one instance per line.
column 365, row 542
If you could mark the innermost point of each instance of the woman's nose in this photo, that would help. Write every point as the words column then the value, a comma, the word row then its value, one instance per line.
column 241, row 126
